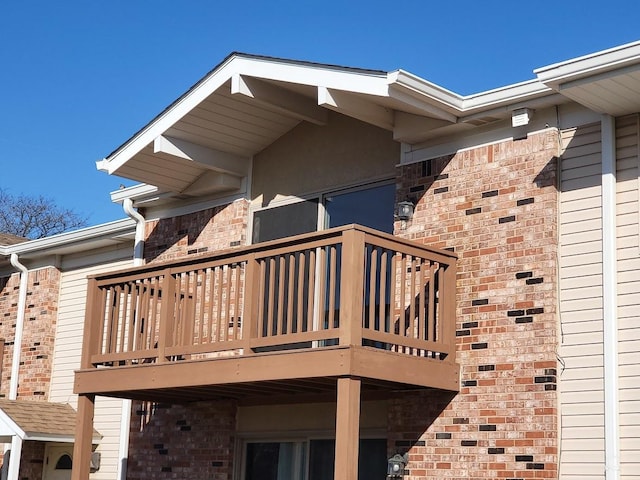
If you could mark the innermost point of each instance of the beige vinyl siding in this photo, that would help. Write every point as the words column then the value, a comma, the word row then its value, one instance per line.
column 580, row 255
column 66, row 357
column 628, row 244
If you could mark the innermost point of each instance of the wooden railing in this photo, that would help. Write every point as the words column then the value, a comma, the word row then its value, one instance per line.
column 345, row 286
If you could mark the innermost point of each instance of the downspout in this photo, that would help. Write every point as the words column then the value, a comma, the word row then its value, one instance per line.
column 125, row 420
column 17, row 342
column 610, row 299
column 138, row 248
column 16, row 441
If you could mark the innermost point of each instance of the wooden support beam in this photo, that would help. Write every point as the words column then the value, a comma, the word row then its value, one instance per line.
column 355, row 107
column 278, row 99
column 210, row 158
column 83, row 438
column 347, row 429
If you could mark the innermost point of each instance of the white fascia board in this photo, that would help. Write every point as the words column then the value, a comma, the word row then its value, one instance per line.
column 43, row 437
column 432, row 99
column 465, row 105
column 372, row 83
column 9, row 428
column 158, row 126
column 111, row 229
column 518, row 92
column 135, row 192
column 445, row 99
column 587, row 65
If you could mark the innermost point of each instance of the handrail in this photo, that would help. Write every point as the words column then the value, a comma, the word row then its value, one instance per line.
column 349, row 285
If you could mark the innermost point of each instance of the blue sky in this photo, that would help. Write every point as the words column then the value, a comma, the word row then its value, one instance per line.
column 78, row 78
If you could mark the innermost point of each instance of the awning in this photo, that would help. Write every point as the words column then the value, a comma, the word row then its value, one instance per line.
column 42, row 421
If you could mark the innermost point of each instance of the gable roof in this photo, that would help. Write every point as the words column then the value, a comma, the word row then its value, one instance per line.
column 10, row 239
column 204, row 141
column 43, row 421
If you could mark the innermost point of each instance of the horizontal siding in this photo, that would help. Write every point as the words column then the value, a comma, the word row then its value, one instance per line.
column 628, row 265
column 580, row 259
column 66, row 359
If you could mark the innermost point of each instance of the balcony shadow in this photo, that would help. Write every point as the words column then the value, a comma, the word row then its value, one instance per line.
column 182, row 234
column 412, row 415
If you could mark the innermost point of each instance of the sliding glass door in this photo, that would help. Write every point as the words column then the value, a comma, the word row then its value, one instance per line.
column 311, row 459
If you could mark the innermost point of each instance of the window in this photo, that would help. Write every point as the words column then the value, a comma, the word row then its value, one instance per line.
column 285, row 221
column 64, row 463
column 369, row 205
column 310, row 459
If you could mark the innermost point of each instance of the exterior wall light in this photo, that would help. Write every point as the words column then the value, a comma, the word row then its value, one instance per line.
column 404, row 211
column 396, row 465
column 521, row 117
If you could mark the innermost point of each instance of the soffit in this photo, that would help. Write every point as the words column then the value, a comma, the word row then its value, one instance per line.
column 606, row 82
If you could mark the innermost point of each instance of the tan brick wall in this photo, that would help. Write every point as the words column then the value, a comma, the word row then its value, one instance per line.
column 38, row 335
column 194, row 441
column 495, row 206
column 210, row 230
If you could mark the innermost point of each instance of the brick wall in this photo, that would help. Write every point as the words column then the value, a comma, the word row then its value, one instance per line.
column 39, row 331
column 209, row 230
column 32, row 460
column 495, row 206
column 194, row 441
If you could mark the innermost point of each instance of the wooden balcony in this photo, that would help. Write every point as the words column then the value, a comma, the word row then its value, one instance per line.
column 283, row 318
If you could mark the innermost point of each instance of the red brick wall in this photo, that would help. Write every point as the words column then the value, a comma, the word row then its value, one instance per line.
column 495, row 206
column 39, row 331
column 209, row 230
column 194, row 441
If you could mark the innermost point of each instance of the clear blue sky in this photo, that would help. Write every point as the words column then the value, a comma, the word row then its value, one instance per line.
column 78, row 78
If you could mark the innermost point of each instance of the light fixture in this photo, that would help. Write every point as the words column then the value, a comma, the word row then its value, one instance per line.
column 521, row 117
column 404, row 211
column 396, row 465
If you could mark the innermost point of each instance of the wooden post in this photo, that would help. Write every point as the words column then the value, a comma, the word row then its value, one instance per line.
column 167, row 314
column 83, row 438
column 347, row 429
column 449, row 310
column 351, row 287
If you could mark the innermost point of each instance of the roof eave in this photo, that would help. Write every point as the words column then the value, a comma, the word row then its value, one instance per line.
column 114, row 229
column 588, row 65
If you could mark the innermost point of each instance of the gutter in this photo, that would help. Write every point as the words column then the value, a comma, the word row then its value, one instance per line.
column 610, row 300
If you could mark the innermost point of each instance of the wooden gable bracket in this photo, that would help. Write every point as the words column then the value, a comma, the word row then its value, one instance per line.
column 354, row 107
column 278, row 99
column 209, row 158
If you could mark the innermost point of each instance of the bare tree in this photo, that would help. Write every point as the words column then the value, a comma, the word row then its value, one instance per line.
column 35, row 216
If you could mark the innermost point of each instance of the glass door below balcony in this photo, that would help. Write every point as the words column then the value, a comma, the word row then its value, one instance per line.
column 311, row 459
